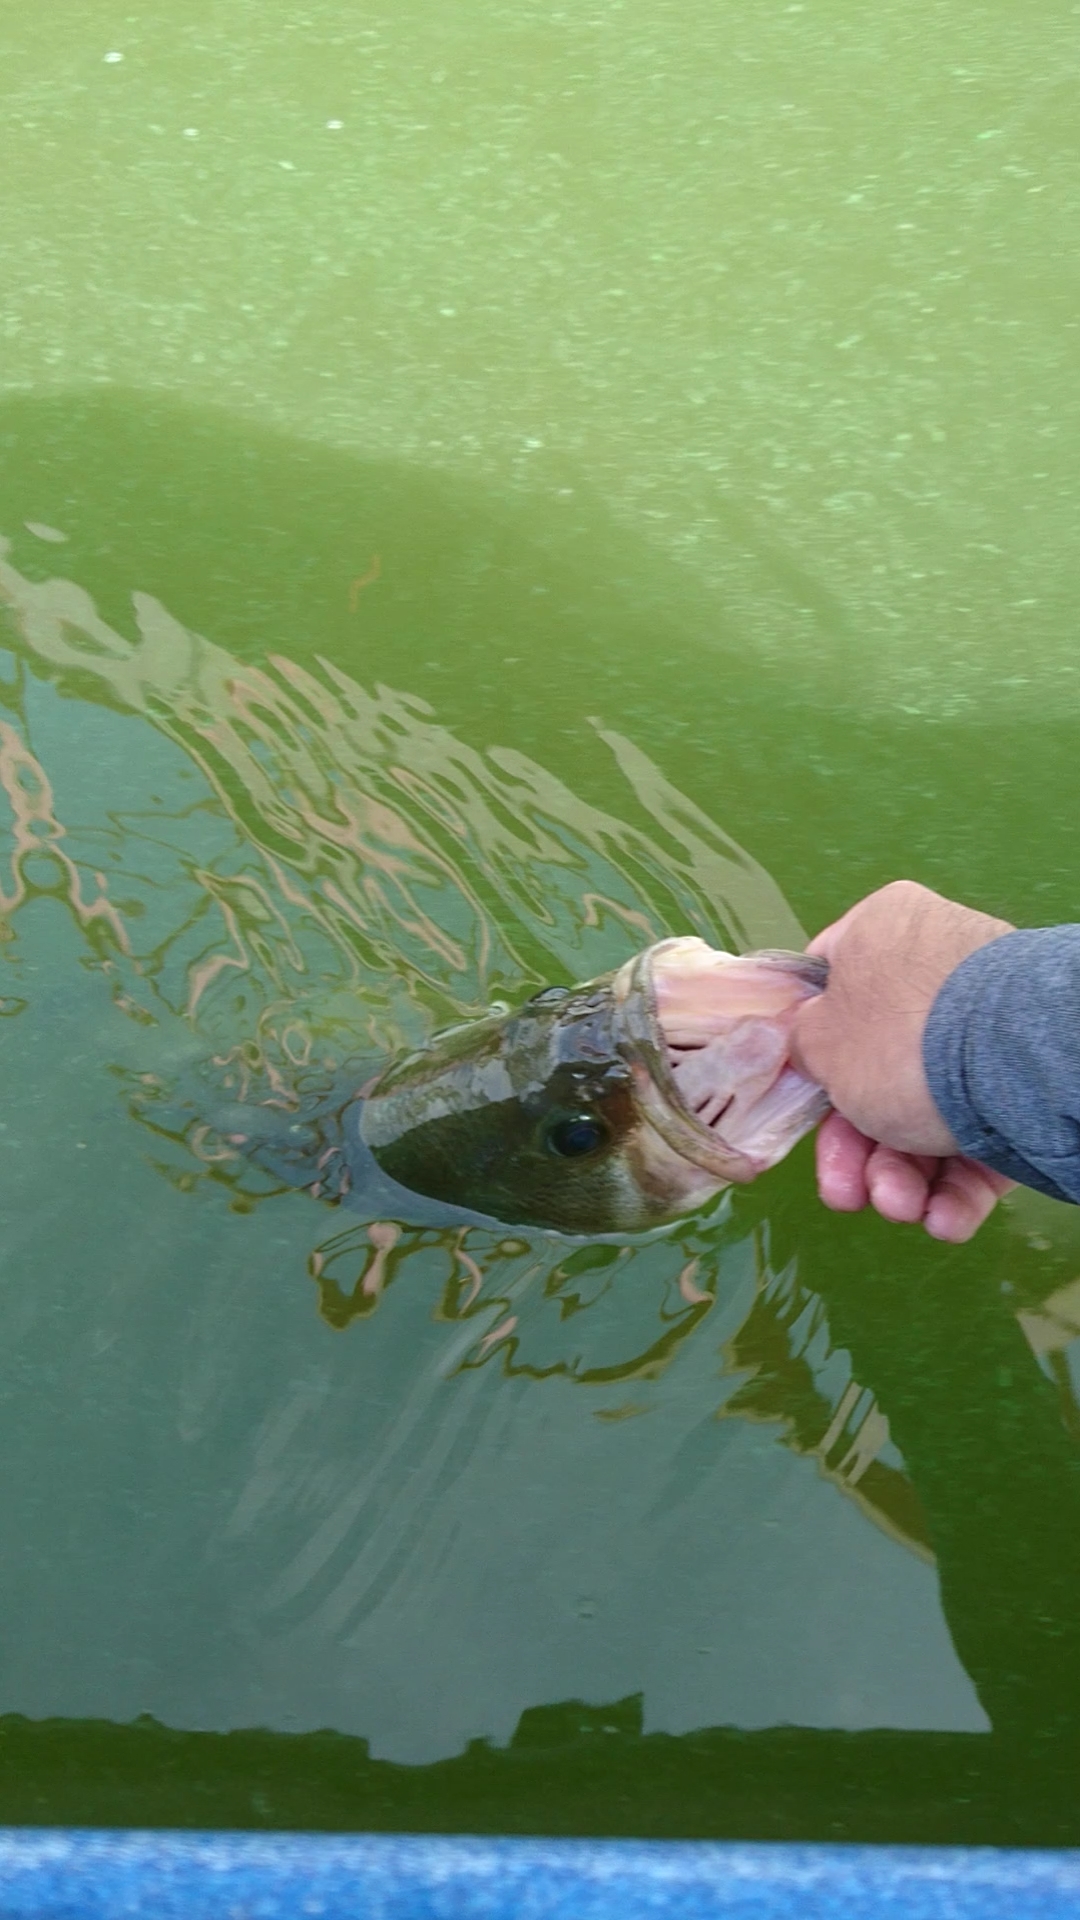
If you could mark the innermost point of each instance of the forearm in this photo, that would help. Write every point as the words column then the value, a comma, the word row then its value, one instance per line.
column 1001, row 1051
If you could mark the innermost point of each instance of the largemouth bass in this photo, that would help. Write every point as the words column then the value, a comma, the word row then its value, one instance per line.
column 610, row 1107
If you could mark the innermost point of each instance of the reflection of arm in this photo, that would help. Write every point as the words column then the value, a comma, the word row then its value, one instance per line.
column 998, row 1475
column 1002, row 1056
column 931, row 1332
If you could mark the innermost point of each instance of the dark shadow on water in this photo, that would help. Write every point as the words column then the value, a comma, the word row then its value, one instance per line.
column 569, row 1770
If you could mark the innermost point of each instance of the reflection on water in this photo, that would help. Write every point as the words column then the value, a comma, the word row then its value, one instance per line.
column 777, row 483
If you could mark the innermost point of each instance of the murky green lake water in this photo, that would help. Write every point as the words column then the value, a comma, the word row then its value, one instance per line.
column 483, row 488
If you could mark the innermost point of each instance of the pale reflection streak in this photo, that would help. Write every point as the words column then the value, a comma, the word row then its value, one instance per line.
column 1052, row 1330
column 380, row 878
column 35, row 829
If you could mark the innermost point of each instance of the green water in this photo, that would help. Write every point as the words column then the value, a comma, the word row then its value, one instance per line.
column 679, row 403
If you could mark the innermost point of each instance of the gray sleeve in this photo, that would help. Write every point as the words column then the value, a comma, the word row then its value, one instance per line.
column 1002, row 1056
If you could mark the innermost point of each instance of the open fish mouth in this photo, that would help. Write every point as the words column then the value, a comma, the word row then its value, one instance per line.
column 707, row 1037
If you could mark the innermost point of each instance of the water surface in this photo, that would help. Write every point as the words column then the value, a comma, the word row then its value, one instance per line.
column 617, row 481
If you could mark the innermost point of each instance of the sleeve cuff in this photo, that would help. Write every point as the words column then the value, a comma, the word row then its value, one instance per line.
column 1001, row 1052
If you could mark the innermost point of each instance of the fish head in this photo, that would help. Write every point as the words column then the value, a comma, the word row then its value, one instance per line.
column 610, row 1107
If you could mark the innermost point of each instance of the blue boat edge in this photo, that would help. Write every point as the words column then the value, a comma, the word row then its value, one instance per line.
column 46, row 1873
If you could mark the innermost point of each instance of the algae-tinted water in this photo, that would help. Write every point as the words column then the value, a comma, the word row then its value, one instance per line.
column 616, row 481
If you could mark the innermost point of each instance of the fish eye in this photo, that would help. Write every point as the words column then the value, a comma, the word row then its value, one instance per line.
column 574, row 1135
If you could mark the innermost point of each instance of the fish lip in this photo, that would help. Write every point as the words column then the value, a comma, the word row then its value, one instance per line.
column 639, row 1037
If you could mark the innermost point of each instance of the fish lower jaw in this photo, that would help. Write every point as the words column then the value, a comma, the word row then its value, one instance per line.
column 722, row 1025
column 747, row 1136
column 695, row 1144
column 773, row 1123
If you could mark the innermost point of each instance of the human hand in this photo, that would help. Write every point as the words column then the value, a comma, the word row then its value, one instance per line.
column 950, row 1195
column 861, row 1039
